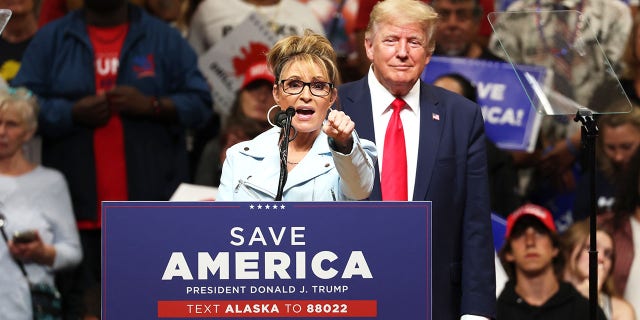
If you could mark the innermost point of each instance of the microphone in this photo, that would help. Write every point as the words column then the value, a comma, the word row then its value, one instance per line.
column 283, row 120
column 282, row 115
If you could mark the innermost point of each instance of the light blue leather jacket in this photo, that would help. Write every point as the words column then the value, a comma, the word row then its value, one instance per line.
column 252, row 168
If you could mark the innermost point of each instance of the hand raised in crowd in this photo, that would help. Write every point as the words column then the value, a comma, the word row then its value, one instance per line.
column 129, row 100
column 92, row 111
column 33, row 251
column 339, row 127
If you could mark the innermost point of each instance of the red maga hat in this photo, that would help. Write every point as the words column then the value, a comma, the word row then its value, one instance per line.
column 258, row 71
column 537, row 211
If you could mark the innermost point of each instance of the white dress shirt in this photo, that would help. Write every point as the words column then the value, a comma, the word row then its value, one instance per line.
column 381, row 107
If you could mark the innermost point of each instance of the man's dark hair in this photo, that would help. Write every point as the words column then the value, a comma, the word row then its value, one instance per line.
column 477, row 8
column 105, row 6
column 469, row 90
column 518, row 230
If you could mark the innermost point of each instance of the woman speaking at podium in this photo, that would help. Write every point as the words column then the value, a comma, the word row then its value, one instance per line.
column 325, row 159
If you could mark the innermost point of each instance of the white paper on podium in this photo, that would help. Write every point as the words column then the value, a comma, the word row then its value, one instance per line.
column 194, row 192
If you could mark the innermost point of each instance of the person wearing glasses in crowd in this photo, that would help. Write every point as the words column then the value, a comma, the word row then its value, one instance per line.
column 326, row 159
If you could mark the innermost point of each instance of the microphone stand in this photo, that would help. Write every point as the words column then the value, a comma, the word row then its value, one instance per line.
column 284, row 150
column 589, row 132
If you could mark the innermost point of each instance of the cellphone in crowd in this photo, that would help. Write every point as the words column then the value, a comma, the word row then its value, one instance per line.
column 25, row 236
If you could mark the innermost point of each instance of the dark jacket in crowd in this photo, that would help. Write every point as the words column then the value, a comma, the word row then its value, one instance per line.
column 58, row 67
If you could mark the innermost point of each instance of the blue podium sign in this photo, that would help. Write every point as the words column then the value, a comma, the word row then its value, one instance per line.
column 510, row 121
column 293, row 260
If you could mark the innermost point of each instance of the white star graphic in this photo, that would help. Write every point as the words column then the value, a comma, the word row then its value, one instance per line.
column 251, row 206
column 282, row 206
column 259, row 207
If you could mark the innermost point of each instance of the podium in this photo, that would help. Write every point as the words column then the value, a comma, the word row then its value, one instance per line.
column 268, row 260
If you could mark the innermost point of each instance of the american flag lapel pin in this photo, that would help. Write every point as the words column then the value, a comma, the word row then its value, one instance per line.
column 435, row 116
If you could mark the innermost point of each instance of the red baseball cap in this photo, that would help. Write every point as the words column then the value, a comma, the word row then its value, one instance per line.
column 537, row 211
column 258, row 71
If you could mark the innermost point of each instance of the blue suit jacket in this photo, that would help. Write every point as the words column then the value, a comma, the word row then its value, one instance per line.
column 451, row 172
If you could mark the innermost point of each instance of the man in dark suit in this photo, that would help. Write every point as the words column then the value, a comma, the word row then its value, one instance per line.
column 443, row 158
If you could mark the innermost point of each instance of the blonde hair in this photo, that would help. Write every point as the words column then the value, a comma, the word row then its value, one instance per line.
column 23, row 101
column 613, row 121
column 631, row 58
column 311, row 48
column 571, row 244
column 404, row 12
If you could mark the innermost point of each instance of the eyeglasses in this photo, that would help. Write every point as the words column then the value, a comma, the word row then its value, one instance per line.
column 317, row 88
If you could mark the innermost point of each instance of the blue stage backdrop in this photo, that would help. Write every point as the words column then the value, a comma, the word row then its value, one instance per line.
column 278, row 260
column 510, row 120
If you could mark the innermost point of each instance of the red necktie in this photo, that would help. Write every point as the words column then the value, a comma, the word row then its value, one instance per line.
column 394, row 169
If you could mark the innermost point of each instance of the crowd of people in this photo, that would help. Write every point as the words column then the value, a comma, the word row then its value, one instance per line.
column 107, row 101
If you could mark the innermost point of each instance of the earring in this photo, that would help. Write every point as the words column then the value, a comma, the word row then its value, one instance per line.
column 269, row 114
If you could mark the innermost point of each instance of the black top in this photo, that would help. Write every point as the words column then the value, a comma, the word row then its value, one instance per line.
column 488, row 55
column 10, row 57
column 566, row 304
column 605, row 192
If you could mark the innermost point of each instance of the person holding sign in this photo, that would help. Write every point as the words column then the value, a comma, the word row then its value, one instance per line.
column 432, row 144
column 326, row 159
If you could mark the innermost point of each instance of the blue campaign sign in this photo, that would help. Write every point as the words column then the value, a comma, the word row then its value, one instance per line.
column 510, row 120
column 293, row 260
column 499, row 227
